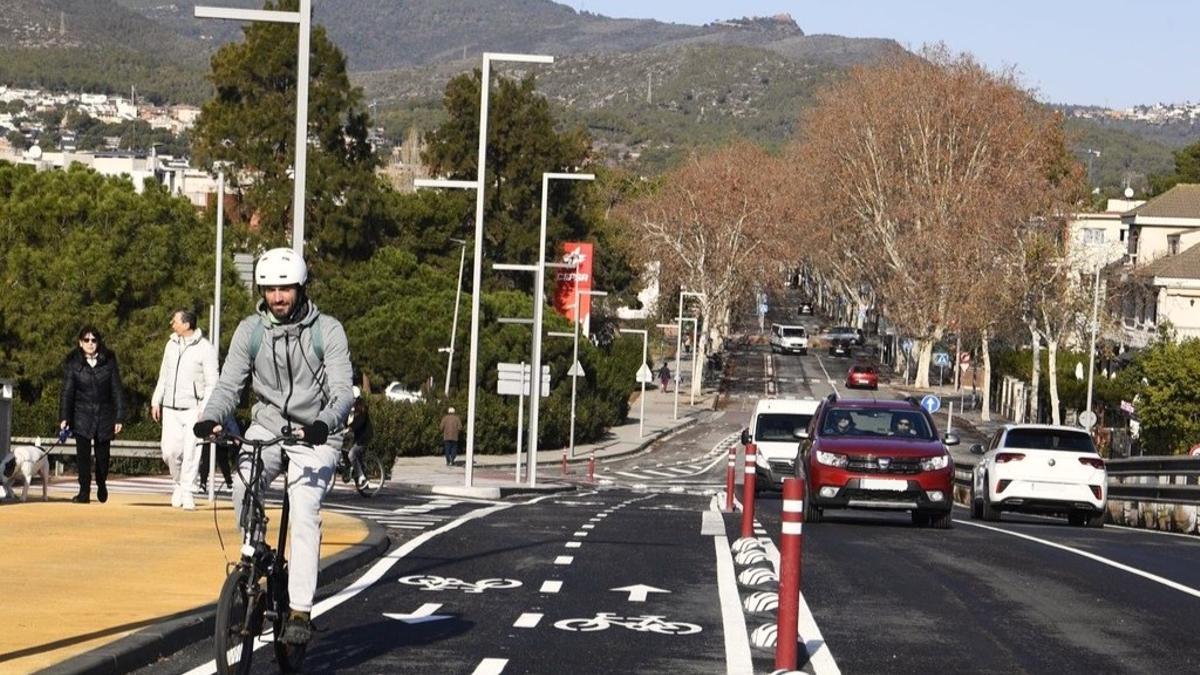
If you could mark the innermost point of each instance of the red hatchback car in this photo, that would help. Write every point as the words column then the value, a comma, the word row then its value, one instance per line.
column 864, row 377
column 886, row 455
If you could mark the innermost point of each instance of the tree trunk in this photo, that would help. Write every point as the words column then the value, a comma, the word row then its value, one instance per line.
column 1052, row 368
column 986, row 411
column 1036, row 374
column 923, row 359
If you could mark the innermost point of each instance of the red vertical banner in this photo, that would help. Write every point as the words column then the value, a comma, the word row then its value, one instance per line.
column 572, row 281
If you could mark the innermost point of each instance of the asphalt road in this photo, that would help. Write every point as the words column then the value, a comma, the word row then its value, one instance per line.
column 555, row 584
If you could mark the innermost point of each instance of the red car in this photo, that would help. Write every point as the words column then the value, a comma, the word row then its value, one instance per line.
column 886, row 455
column 865, row 377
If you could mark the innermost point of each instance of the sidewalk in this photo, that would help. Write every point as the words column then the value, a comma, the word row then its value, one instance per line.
column 106, row 588
column 495, row 476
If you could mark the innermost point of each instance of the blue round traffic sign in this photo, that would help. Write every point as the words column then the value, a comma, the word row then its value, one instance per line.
column 931, row 403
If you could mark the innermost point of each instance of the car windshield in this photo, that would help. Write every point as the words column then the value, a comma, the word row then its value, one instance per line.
column 899, row 424
column 793, row 332
column 780, row 426
column 862, row 369
column 1049, row 439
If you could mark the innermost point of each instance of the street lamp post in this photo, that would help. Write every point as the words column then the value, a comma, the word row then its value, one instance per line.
column 642, row 400
column 477, row 265
column 303, row 17
column 679, row 343
column 214, row 326
column 454, row 324
column 1095, row 324
column 695, row 325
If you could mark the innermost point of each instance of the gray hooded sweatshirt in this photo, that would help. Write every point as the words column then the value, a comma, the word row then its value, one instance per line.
column 292, row 386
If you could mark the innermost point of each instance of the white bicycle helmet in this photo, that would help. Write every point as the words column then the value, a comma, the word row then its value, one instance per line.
column 280, row 267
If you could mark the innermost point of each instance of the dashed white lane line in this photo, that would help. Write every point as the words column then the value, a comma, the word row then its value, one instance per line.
column 564, row 560
column 580, row 533
column 587, row 526
column 490, row 667
column 528, row 620
column 550, row 587
column 574, row 544
column 1090, row 556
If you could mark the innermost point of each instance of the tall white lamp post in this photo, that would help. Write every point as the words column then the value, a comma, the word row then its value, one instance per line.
column 642, row 400
column 214, row 325
column 695, row 326
column 303, row 17
column 477, row 264
column 1095, row 325
column 679, row 342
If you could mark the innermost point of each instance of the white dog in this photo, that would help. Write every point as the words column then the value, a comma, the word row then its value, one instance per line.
column 31, row 461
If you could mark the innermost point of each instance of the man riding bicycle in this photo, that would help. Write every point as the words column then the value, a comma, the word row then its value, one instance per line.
column 298, row 363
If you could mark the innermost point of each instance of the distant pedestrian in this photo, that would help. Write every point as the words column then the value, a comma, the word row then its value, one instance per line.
column 92, row 407
column 186, row 379
column 664, row 375
column 451, row 428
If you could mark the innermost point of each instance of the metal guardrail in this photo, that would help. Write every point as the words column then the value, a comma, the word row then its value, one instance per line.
column 1168, row 480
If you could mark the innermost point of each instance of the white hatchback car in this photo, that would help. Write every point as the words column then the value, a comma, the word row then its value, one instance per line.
column 1039, row 468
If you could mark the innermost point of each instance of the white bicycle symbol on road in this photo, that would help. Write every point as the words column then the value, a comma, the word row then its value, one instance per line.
column 641, row 624
column 429, row 582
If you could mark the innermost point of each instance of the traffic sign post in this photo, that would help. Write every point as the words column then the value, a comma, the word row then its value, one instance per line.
column 1087, row 419
column 643, row 376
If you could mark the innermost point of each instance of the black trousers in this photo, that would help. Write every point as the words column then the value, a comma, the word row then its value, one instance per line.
column 223, row 454
column 83, row 457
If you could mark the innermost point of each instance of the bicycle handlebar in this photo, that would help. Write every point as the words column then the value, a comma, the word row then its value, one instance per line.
column 227, row 436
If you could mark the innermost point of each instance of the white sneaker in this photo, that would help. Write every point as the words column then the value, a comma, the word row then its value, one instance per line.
column 177, row 497
column 189, row 504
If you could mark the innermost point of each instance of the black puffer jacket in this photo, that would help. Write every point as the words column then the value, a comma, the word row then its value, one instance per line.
column 92, row 401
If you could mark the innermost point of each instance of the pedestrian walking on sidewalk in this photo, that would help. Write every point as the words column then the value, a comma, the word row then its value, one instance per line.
column 186, row 379
column 297, row 360
column 451, row 428
column 92, row 407
column 664, row 375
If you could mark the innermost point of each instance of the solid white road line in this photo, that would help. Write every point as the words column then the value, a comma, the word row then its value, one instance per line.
column 490, row 667
column 733, row 622
column 828, row 377
column 1090, row 556
column 528, row 620
column 550, row 587
column 819, row 656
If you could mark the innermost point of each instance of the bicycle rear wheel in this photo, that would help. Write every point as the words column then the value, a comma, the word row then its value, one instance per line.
column 368, row 475
column 238, row 623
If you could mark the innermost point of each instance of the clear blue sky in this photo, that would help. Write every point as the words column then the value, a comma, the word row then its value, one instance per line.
column 1098, row 52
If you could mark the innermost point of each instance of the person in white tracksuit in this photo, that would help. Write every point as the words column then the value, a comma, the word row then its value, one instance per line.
column 297, row 361
column 186, row 379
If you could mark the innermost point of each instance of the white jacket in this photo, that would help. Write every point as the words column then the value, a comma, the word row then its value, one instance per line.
column 188, row 373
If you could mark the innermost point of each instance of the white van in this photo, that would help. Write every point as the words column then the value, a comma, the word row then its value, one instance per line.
column 789, row 339
column 777, row 428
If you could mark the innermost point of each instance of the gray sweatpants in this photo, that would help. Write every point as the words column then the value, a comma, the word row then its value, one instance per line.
column 309, row 478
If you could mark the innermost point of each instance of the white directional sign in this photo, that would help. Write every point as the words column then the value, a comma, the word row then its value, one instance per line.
column 424, row 614
column 576, row 370
column 510, row 378
column 639, row 592
column 1087, row 419
column 644, row 374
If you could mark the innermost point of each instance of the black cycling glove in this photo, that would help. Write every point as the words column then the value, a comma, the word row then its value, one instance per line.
column 316, row 433
column 204, row 428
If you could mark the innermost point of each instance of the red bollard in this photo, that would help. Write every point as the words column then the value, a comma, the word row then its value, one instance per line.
column 748, row 491
column 592, row 467
column 729, row 473
column 791, row 546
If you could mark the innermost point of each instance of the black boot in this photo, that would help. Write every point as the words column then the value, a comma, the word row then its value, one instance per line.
column 81, row 499
column 102, row 492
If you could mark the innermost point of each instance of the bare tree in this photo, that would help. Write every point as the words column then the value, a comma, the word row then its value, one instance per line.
column 917, row 162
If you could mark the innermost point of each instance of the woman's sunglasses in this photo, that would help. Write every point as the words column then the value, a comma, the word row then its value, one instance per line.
column 89, row 339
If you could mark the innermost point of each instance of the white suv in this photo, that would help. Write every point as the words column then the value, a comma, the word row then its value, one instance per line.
column 777, row 427
column 789, row 339
column 1039, row 468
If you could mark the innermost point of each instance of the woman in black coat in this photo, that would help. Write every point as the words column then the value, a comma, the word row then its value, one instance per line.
column 92, row 407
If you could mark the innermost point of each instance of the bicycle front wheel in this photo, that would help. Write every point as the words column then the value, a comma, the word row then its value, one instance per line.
column 368, row 476
column 239, row 622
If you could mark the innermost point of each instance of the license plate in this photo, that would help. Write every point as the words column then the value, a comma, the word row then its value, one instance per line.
column 883, row 484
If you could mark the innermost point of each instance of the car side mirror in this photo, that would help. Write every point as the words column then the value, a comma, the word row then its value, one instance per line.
column 977, row 449
column 800, row 434
column 950, row 439
column 746, row 437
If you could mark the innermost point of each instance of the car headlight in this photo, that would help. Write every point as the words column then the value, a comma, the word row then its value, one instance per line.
column 935, row 463
column 831, row 459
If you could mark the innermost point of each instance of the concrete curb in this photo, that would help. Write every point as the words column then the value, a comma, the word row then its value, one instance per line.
column 178, row 631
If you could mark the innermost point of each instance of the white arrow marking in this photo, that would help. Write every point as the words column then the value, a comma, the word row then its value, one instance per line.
column 423, row 614
column 639, row 592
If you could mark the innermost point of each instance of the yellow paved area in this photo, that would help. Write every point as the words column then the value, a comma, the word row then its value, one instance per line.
column 78, row 576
